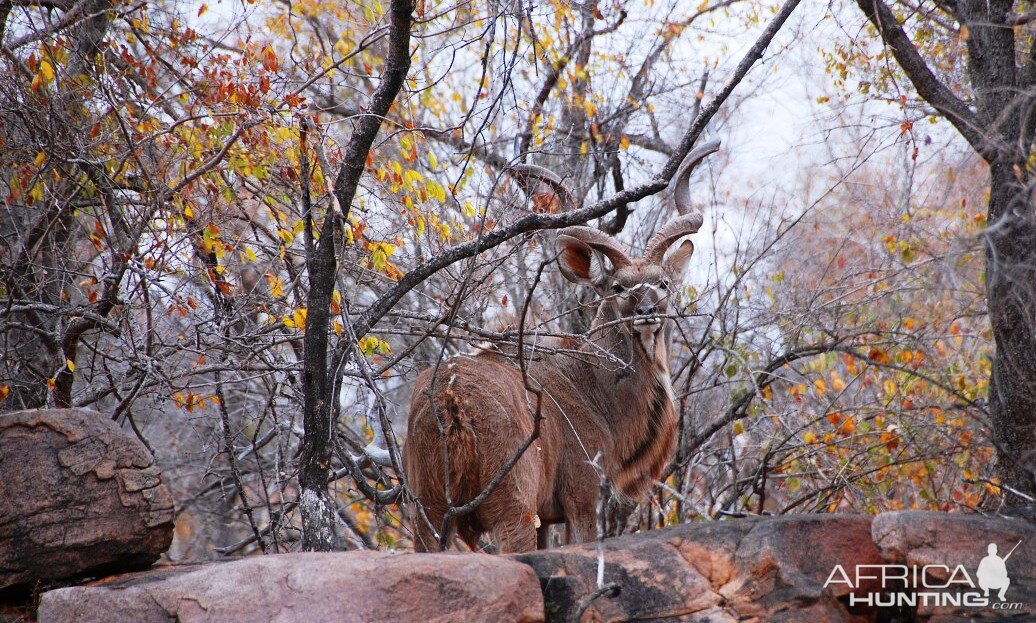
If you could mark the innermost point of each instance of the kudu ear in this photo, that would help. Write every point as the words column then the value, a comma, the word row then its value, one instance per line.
column 675, row 261
column 576, row 260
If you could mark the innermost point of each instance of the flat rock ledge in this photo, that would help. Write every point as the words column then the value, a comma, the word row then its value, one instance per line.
column 80, row 497
column 353, row 587
column 774, row 570
column 754, row 570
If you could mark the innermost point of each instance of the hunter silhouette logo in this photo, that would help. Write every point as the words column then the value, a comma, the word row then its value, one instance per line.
column 931, row 585
column 992, row 572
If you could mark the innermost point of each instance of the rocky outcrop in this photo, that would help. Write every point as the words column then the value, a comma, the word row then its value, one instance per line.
column 361, row 587
column 80, row 497
column 942, row 542
column 758, row 569
column 753, row 570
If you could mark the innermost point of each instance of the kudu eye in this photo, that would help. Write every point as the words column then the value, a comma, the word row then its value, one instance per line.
column 618, row 288
column 664, row 284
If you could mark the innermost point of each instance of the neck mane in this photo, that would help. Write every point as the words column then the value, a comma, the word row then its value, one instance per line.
column 634, row 369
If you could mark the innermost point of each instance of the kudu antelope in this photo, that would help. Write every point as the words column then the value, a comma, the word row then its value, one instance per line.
column 609, row 393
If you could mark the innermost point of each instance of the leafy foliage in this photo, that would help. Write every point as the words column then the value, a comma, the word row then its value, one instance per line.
column 161, row 198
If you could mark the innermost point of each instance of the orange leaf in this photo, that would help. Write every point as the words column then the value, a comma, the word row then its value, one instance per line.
column 848, row 427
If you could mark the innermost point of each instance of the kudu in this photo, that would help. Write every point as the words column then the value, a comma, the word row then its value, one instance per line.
column 609, row 392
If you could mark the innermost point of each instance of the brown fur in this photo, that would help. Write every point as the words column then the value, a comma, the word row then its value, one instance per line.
column 610, row 394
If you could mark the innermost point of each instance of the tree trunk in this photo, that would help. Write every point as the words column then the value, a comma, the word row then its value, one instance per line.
column 315, row 503
column 1011, row 292
column 318, row 510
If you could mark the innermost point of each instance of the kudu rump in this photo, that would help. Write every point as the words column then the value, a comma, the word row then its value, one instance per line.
column 609, row 393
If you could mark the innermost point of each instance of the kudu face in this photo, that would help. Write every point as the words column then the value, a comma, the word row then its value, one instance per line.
column 637, row 290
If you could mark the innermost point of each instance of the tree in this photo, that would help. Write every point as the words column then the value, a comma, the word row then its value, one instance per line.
column 997, row 120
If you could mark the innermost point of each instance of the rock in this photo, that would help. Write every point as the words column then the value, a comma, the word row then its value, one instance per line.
column 374, row 587
column 756, row 569
column 919, row 538
column 80, row 497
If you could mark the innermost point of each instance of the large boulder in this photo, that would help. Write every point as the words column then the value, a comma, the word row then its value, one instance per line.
column 78, row 497
column 756, row 569
column 948, row 540
column 361, row 587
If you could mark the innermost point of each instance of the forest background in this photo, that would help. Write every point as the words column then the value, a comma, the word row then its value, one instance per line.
column 240, row 229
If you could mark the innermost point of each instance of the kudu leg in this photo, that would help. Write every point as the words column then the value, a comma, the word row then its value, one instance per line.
column 543, row 537
column 516, row 536
column 581, row 520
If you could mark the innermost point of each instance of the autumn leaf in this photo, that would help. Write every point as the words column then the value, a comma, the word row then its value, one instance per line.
column 879, row 355
column 269, row 59
column 276, row 287
column 47, row 71
column 848, row 426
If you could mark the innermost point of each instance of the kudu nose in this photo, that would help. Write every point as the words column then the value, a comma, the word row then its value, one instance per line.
column 644, row 310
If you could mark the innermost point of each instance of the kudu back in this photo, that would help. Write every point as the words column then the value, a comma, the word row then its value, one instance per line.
column 609, row 393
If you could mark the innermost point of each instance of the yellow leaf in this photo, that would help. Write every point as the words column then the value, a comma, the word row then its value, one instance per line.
column 410, row 178
column 837, row 383
column 436, row 190
column 4, row 390
column 46, row 70
column 71, row 365
column 276, row 287
column 40, row 159
column 739, row 428
column 809, row 437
